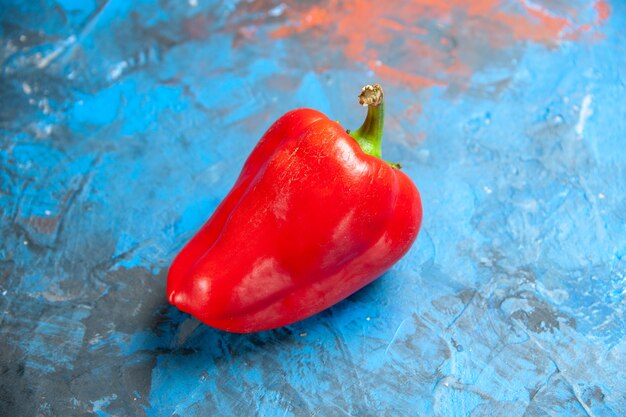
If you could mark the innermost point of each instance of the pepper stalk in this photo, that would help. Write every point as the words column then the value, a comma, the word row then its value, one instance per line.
column 370, row 135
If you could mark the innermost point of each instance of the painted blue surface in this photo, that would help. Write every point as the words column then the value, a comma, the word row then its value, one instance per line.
column 124, row 124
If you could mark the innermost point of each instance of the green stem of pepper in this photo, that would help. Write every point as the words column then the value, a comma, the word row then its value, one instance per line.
column 370, row 135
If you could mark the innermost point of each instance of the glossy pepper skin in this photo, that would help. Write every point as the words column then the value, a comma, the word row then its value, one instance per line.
column 311, row 219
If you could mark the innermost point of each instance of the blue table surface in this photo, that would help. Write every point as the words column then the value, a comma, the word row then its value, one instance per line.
column 123, row 125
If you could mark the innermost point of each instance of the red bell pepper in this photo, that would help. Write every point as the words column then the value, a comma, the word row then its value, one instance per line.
column 314, row 216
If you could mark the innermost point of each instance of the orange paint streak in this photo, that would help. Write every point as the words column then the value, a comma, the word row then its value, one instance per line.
column 315, row 17
column 576, row 35
column 603, row 10
column 399, row 27
column 410, row 80
column 377, row 33
column 541, row 28
column 481, row 7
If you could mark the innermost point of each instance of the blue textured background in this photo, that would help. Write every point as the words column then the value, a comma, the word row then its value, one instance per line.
column 123, row 124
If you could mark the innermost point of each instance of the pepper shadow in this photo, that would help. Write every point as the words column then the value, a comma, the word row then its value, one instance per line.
column 185, row 335
column 229, row 368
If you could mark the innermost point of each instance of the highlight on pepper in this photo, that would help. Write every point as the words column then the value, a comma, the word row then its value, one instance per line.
column 315, row 215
